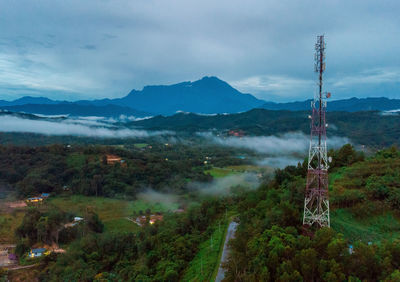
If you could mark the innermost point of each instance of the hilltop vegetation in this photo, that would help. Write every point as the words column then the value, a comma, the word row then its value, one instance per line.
column 269, row 245
column 159, row 252
column 365, row 128
column 84, row 170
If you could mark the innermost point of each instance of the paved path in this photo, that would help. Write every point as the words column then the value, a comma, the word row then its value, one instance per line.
column 229, row 235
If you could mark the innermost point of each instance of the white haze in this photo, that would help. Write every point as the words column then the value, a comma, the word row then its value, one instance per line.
column 71, row 127
column 223, row 185
column 157, row 197
column 279, row 151
column 279, row 162
column 217, row 187
column 285, row 144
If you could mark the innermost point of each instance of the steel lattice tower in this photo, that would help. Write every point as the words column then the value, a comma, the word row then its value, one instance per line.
column 316, row 203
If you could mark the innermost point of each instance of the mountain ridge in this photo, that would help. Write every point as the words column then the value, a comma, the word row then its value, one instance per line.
column 208, row 95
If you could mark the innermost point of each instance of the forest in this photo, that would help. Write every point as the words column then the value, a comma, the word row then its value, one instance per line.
column 84, row 169
column 270, row 245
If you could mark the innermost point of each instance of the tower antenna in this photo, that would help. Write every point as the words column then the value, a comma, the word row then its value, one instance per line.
column 316, row 202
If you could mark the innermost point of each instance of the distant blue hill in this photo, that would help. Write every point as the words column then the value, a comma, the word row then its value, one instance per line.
column 28, row 100
column 346, row 105
column 209, row 95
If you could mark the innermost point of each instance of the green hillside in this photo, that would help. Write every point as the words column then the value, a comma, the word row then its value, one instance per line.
column 272, row 245
column 367, row 128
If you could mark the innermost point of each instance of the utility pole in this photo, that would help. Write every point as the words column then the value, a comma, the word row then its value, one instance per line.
column 316, row 202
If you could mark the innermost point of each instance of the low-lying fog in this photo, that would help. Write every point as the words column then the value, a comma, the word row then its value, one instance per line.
column 278, row 151
column 85, row 127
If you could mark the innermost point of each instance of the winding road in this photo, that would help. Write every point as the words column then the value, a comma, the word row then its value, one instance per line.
column 229, row 235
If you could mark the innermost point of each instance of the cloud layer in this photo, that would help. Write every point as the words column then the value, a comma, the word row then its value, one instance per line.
column 286, row 144
column 83, row 128
column 223, row 185
column 278, row 151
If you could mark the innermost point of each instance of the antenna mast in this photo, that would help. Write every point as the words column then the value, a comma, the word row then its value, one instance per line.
column 316, row 203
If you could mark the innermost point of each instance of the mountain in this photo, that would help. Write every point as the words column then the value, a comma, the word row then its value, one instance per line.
column 74, row 109
column 208, row 95
column 347, row 105
column 28, row 100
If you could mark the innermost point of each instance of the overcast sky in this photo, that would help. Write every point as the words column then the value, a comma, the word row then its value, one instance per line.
column 94, row 49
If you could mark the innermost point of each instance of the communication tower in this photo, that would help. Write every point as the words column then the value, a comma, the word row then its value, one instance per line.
column 316, row 203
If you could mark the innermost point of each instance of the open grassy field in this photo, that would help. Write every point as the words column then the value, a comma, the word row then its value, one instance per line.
column 336, row 176
column 372, row 229
column 113, row 212
column 247, row 168
column 140, row 145
column 219, row 172
column 206, row 261
column 8, row 224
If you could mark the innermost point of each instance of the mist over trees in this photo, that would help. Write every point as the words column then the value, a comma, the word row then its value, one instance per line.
column 84, row 169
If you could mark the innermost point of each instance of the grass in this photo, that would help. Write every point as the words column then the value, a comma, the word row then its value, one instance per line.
column 221, row 248
column 244, row 168
column 140, row 145
column 204, row 265
column 375, row 228
column 76, row 160
column 219, row 172
column 8, row 225
column 120, row 225
column 112, row 212
column 27, row 274
column 338, row 174
column 372, row 229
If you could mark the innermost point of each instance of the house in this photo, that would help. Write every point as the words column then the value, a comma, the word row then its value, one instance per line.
column 155, row 217
column 113, row 159
column 140, row 220
column 35, row 253
column 35, row 200
column 236, row 133
column 77, row 219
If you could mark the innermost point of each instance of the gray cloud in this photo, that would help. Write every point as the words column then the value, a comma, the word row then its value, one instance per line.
column 285, row 144
column 279, row 162
column 223, row 185
column 262, row 47
column 153, row 196
column 276, row 151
